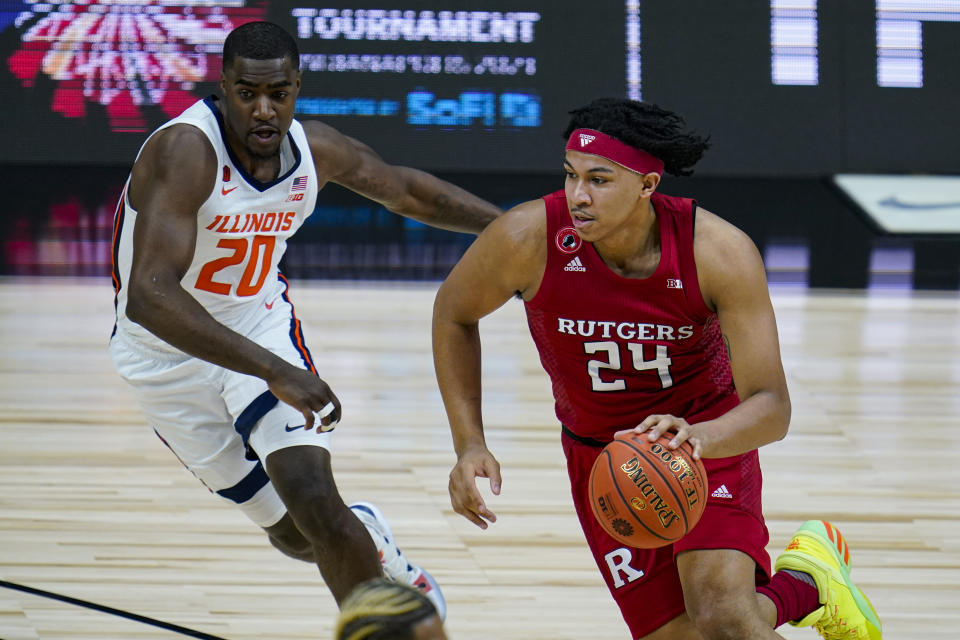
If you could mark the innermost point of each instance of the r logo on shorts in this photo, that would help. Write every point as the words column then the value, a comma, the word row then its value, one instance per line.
column 618, row 561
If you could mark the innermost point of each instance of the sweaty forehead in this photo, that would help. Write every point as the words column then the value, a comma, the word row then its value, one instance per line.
column 256, row 72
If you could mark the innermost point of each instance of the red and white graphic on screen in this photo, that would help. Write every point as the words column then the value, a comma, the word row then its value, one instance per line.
column 125, row 54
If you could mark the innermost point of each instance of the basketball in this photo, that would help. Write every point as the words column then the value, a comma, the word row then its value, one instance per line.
column 644, row 494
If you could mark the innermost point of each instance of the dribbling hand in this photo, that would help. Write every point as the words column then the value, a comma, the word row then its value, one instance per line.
column 657, row 424
column 474, row 463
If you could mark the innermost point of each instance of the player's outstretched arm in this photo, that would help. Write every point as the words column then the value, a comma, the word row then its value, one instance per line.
column 507, row 258
column 171, row 179
column 733, row 282
column 409, row 192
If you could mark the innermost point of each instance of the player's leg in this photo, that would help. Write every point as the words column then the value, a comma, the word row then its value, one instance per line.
column 197, row 426
column 207, row 416
column 812, row 587
column 347, row 543
column 287, row 538
column 720, row 595
column 341, row 546
column 724, row 556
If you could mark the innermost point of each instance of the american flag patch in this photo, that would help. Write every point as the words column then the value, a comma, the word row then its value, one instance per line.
column 299, row 184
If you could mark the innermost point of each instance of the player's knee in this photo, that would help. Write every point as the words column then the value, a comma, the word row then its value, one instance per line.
column 716, row 619
column 304, row 481
column 288, row 539
column 321, row 516
column 298, row 549
column 310, row 498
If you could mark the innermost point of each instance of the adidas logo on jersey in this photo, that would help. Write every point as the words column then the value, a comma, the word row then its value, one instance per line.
column 721, row 492
column 575, row 265
column 586, row 138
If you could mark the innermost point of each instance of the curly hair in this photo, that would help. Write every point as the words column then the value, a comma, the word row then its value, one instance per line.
column 645, row 126
column 260, row 41
column 382, row 610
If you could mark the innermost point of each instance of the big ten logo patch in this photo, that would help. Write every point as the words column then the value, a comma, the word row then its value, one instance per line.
column 618, row 562
column 293, row 197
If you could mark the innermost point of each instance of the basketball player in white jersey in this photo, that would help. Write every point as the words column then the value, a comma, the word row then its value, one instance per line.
column 205, row 332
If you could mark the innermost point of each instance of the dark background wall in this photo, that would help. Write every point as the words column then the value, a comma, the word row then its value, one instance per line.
column 485, row 107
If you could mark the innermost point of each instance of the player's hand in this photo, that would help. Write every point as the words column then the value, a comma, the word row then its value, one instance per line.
column 657, row 424
column 305, row 392
column 476, row 462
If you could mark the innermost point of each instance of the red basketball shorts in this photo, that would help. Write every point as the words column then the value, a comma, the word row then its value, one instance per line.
column 644, row 582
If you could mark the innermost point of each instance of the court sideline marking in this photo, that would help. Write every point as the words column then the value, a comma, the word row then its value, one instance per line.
column 169, row 626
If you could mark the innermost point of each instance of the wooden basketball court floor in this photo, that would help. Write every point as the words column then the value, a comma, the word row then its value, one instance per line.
column 92, row 505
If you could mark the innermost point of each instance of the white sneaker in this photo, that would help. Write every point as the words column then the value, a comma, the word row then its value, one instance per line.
column 396, row 567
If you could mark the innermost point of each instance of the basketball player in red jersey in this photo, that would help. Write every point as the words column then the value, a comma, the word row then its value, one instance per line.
column 205, row 331
column 650, row 314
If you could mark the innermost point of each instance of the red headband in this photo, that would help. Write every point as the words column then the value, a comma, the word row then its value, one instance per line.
column 600, row 144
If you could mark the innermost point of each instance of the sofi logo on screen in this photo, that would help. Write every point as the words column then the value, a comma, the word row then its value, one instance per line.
column 485, row 108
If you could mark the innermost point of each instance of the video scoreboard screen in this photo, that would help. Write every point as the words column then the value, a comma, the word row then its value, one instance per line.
column 783, row 87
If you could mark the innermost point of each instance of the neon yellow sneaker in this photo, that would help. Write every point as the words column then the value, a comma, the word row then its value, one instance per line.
column 817, row 548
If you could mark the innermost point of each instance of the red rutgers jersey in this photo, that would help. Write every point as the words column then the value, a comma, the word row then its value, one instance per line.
column 619, row 349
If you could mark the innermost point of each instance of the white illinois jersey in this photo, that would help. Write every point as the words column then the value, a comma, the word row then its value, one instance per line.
column 242, row 231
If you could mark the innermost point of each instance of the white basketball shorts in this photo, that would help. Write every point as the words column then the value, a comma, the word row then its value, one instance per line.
column 209, row 416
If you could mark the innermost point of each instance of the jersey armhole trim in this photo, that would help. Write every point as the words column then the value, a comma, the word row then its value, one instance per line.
column 694, row 294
